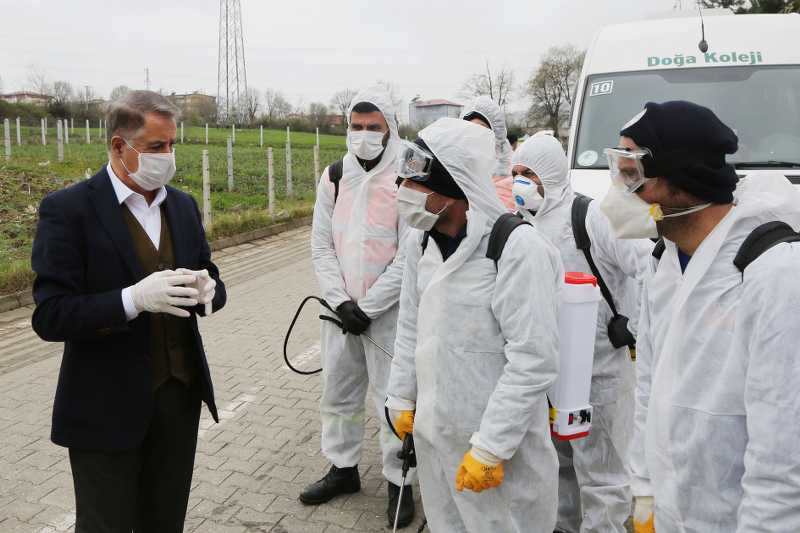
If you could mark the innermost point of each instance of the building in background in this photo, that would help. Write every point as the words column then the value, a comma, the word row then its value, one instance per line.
column 26, row 97
column 424, row 112
column 192, row 103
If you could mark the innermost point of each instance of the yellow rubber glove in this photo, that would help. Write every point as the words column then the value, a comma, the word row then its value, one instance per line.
column 476, row 475
column 643, row 515
column 404, row 423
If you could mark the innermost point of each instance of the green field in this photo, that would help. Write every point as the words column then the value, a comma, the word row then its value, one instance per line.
column 34, row 171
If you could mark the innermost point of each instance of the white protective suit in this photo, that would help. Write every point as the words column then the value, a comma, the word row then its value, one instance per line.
column 355, row 245
column 501, row 172
column 476, row 352
column 718, row 370
column 594, row 480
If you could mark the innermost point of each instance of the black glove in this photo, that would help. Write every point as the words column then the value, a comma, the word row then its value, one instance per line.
column 354, row 320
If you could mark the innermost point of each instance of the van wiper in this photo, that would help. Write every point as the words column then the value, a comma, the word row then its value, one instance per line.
column 768, row 164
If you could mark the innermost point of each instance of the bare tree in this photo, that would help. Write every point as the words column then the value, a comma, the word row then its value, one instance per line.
column 276, row 106
column 62, row 93
column 318, row 114
column 552, row 86
column 37, row 80
column 497, row 85
column 118, row 92
column 341, row 101
column 250, row 105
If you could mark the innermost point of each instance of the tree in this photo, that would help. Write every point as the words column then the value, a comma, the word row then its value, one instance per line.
column 277, row 107
column 318, row 114
column 496, row 85
column 341, row 101
column 118, row 92
column 250, row 105
column 37, row 80
column 755, row 6
column 552, row 86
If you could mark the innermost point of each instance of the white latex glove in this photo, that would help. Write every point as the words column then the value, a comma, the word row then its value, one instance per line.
column 205, row 286
column 165, row 292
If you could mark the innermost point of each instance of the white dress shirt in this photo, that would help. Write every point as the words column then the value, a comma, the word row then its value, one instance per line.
column 148, row 216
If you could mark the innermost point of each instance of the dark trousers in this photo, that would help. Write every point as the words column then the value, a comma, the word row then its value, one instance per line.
column 144, row 490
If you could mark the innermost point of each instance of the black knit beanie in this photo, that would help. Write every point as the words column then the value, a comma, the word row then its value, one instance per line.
column 688, row 145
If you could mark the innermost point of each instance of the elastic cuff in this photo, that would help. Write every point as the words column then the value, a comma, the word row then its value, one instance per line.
column 485, row 457
column 127, row 303
column 400, row 404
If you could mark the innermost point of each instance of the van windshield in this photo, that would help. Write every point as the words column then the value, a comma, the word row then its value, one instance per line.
column 761, row 104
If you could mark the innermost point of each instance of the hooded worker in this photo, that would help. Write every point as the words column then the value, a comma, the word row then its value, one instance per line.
column 594, row 483
column 355, row 240
column 477, row 343
column 717, row 367
column 485, row 112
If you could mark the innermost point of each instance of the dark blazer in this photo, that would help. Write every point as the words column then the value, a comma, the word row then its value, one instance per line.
column 83, row 257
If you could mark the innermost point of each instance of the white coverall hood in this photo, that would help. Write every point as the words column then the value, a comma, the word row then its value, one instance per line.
column 378, row 97
column 497, row 121
column 466, row 151
column 545, row 156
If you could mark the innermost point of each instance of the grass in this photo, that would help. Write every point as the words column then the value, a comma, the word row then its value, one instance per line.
column 34, row 171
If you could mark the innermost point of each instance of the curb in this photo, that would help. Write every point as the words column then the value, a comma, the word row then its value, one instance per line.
column 9, row 302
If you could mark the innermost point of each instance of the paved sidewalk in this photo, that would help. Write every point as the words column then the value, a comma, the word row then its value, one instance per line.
column 251, row 466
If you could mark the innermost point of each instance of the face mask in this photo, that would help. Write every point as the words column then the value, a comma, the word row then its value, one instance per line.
column 633, row 218
column 411, row 206
column 155, row 170
column 630, row 216
column 526, row 194
column 366, row 145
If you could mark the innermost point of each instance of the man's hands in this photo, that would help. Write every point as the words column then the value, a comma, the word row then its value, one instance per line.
column 643, row 515
column 354, row 320
column 480, row 470
column 205, row 286
column 165, row 292
column 403, row 422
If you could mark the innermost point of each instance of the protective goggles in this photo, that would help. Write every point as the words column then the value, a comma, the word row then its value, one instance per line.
column 414, row 162
column 626, row 167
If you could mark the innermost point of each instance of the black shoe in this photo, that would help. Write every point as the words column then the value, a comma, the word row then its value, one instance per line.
column 336, row 482
column 406, row 513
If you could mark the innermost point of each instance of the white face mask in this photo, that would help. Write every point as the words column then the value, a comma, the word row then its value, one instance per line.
column 633, row 218
column 366, row 145
column 155, row 170
column 526, row 194
column 411, row 206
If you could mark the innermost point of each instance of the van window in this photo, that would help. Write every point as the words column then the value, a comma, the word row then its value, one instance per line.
column 761, row 104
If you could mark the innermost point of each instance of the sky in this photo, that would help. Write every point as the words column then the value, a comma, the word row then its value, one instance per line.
column 307, row 49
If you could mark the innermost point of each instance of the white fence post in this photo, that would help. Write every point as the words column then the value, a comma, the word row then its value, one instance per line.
column 233, row 133
column 65, row 123
column 270, row 183
column 7, row 138
column 72, row 124
column 317, row 137
column 316, row 163
column 206, row 133
column 206, row 193
column 88, row 135
column 289, row 181
column 19, row 133
column 181, row 132
column 230, row 164
column 60, row 140
column 44, row 132
column 261, row 136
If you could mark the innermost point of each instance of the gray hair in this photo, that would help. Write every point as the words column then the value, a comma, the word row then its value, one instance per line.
column 126, row 115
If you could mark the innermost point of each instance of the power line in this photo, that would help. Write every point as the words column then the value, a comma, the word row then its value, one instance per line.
column 231, row 70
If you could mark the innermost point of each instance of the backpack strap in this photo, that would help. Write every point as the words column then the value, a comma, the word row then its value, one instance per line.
column 335, row 171
column 762, row 239
column 501, row 231
column 580, row 208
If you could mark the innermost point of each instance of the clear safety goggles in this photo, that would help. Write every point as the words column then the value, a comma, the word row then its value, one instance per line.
column 414, row 162
column 626, row 167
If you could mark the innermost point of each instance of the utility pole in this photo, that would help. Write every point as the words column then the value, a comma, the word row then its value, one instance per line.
column 231, row 70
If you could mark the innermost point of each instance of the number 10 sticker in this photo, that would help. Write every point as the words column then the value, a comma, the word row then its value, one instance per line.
column 601, row 87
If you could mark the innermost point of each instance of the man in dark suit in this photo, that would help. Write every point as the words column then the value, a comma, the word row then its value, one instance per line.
column 123, row 269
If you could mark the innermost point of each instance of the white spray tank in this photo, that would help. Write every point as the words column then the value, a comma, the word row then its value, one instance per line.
column 570, row 410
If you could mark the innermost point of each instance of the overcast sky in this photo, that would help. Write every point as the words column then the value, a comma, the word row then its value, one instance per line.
column 308, row 49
